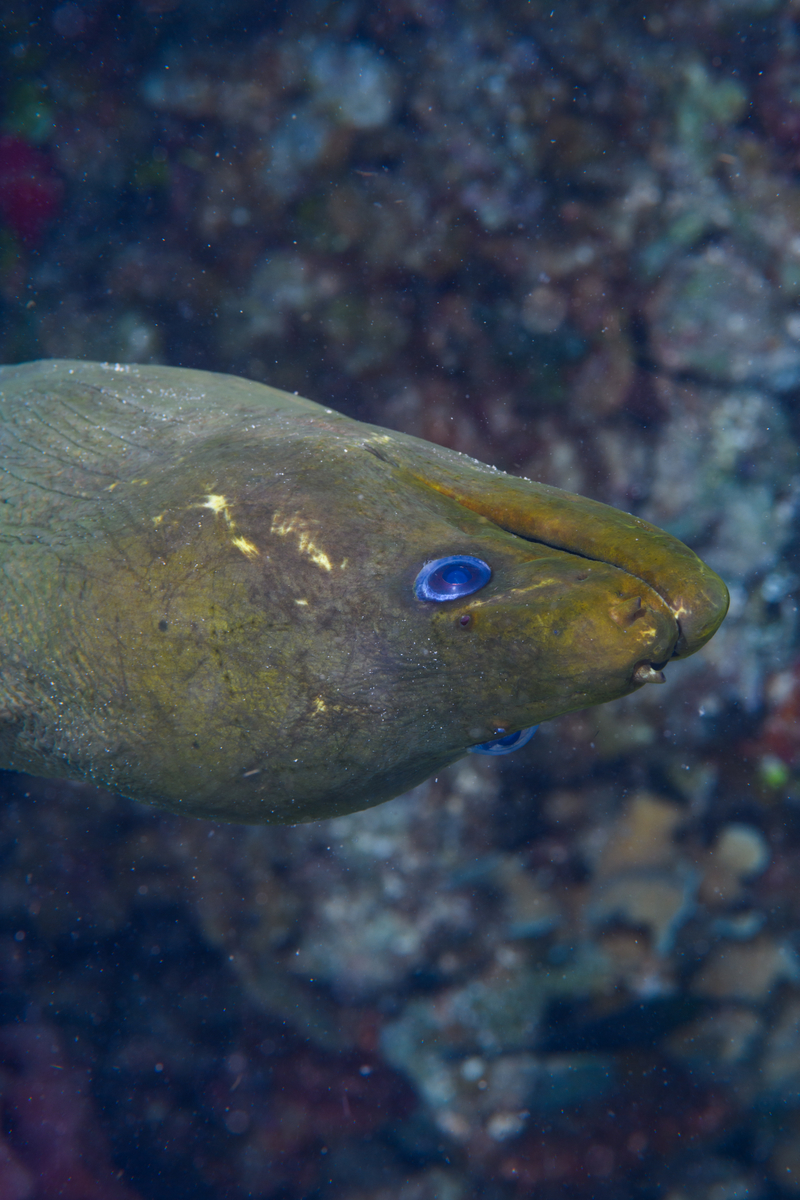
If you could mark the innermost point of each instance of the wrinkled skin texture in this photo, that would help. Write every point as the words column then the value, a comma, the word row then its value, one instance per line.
column 207, row 596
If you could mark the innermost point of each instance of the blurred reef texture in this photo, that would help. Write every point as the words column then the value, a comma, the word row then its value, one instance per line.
column 565, row 239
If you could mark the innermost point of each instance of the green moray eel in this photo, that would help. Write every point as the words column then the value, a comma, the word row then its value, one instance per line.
column 208, row 596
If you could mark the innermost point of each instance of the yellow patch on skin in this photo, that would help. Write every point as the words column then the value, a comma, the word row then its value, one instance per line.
column 111, row 486
column 305, row 544
column 157, row 520
column 219, row 506
column 303, row 602
column 247, row 548
column 343, row 564
column 539, row 583
column 319, row 705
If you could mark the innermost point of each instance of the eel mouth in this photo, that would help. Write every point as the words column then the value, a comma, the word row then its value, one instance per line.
column 695, row 595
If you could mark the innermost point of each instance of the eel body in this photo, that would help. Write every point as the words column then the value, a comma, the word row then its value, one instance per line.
column 208, row 596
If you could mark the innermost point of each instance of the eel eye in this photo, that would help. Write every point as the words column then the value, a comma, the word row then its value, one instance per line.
column 504, row 745
column 452, row 577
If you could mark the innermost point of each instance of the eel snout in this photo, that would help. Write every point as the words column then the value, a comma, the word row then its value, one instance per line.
column 695, row 595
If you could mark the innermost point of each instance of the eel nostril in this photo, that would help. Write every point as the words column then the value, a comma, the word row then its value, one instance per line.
column 647, row 673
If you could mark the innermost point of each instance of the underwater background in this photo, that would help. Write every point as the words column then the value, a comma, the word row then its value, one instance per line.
column 563, row 238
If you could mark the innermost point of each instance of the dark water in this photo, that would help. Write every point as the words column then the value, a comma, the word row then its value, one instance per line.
column 565, row 240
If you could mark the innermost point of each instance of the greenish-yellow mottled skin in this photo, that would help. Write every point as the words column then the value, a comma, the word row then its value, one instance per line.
column 207, row 596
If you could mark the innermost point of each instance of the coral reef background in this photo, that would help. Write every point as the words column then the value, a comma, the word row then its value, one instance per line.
column 565, row 239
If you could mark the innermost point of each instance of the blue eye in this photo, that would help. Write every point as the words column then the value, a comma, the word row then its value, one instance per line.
column 505, row 745
column 450, row 578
